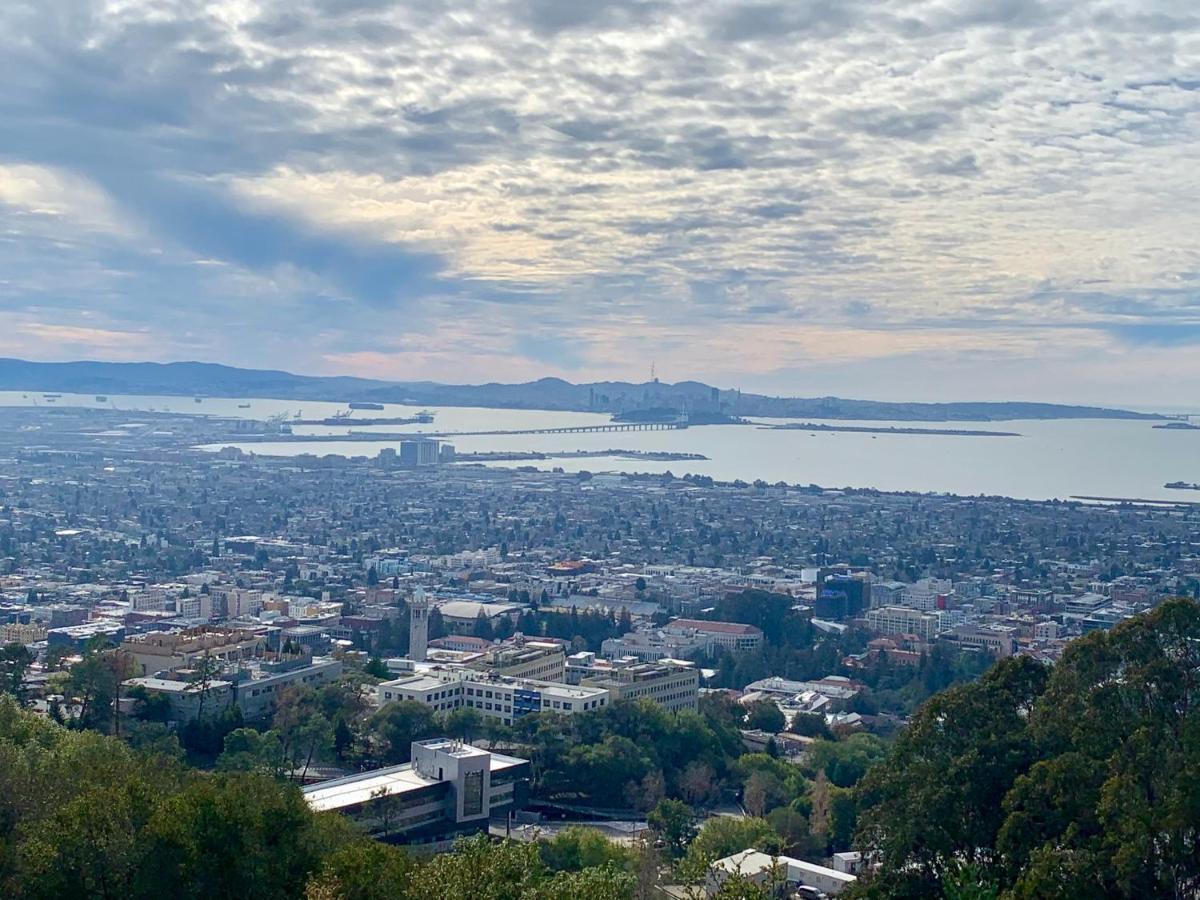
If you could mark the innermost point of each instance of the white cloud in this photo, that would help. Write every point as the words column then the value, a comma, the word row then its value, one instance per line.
column 897, row 178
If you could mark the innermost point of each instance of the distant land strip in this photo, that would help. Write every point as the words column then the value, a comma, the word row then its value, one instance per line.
column 866, row 429
column 700, row 402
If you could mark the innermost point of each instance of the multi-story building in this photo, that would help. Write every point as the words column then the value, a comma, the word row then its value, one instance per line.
column 672, row 685
column 418, row 453
column 493, row 696
column 448, row 789
column 903, row 620
column 998, row 640
column 927, row 594
column 1046, row 630
column 254, row 688
column 161, row 651
column 18, row 633
column 653, row 644
column 524, row 659
column 729, row 635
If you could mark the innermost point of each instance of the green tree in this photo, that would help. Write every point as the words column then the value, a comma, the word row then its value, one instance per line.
column 764, row 715
column 580, row 847
column 15, row 660
column 463, row 723
column 673, row 824
column 723, row 836
column 392, row 730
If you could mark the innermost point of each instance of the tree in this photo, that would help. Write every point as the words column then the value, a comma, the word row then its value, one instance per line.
column 15, row 660
column 393, row 729
column 483, row 627
column 579, row 847
column 672, row 822
column 364, row 870
column 96, row 682
column 724, row 835
column 463, row 723
column 938, row 797
column 376, row 668
column 1080, row 781
column 697, row 782
column 764, row 715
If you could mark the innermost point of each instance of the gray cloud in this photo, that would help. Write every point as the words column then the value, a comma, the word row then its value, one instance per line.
column 348, row 169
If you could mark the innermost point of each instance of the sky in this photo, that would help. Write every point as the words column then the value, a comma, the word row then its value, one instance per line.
column 904, row 199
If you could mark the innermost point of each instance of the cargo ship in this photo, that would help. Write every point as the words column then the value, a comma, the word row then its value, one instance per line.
column 358, row 404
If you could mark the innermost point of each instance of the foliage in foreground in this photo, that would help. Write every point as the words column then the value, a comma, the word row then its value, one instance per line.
column 84, row 815
column 1077, row 781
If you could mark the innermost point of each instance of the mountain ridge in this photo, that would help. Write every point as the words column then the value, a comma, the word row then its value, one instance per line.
column 215, row 379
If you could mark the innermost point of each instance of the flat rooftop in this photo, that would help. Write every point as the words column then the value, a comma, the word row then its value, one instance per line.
column 396, row 780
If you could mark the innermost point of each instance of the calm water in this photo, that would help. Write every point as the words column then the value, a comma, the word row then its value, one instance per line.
column 1050, row 459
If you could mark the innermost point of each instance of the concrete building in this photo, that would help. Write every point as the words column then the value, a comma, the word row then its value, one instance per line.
column 418, row 453
column 729, row 635
column 164, row 651
column 927, row 594
column 524, row 659
column 257, row 688
column 492, row 696
column 253, row 687
column 672, row 685
column 998, row 640
column 653, row 644
column 902, row 620
column 448, row 789
column 187, row 700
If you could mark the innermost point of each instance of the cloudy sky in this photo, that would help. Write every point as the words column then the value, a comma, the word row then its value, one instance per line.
column 897, row 199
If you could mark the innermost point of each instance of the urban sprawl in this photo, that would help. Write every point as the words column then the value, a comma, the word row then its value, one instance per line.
column 425, row 642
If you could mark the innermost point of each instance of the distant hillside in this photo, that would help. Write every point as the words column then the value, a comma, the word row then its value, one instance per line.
column 194, row 378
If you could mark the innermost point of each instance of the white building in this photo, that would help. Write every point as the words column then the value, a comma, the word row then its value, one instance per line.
column 902, row 620
column 923, row 595
column 776, row 873
column 449, row 788
column 497, row 697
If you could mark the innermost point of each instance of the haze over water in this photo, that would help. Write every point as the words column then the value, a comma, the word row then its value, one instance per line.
column 1050, row 459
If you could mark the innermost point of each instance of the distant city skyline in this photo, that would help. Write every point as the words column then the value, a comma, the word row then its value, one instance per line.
column 902, row 200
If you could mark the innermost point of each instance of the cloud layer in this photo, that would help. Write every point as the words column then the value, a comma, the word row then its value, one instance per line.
column 884, row 197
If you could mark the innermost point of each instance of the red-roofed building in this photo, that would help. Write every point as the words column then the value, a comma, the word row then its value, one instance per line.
column 732, row 635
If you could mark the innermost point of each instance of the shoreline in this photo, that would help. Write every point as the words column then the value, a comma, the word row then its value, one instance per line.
column 892, row 429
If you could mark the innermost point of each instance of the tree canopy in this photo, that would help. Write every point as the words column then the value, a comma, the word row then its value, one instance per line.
column 1081, row 780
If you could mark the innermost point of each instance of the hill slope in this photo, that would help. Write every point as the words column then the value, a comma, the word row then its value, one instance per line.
column 186, row 378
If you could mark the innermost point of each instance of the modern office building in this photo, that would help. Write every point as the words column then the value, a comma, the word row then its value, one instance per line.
column 419, row 453
column 253, row 686
column 521, row 658
column 493, row 696
column 902, row 620
column 449, row 788
column 671, row 684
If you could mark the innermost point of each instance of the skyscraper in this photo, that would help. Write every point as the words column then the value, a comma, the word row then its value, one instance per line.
column 418, row 625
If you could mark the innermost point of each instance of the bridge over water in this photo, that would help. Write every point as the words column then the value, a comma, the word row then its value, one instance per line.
column 571, row 429
column 386, row 436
